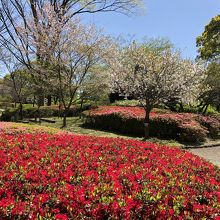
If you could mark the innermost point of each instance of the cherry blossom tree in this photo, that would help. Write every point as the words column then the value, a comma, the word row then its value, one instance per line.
column 154, row 76
column 80, row 50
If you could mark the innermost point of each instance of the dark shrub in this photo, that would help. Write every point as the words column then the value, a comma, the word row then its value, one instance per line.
column 211, row 123
column 9, row 114
column 192, row 134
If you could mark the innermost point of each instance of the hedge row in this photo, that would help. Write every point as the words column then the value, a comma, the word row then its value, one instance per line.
column 184, row 127
column 44, row 112
column 6, row 105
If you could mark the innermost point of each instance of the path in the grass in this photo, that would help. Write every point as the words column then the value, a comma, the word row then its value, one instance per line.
column 210, row 153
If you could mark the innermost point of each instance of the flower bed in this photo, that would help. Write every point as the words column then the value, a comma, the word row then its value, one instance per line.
column 185, row 127
column 51, row 176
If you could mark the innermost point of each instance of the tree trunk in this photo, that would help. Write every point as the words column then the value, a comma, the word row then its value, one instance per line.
column 205, row 110
column 147, row 124
column 55, row 99
column 38, row 115
column 200, row 104
column 181, row 109
column 21, row 110
column 49, row 100
column 34, row 101
column 40, row 101
column 201, row 110
column 80, row 110
column 64, row 118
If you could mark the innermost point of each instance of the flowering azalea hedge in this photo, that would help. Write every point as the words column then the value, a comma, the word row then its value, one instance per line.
column 185, row 127
column 57, row 176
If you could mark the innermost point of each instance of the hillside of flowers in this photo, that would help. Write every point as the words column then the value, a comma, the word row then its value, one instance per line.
column 186, row 127
column 64, row 176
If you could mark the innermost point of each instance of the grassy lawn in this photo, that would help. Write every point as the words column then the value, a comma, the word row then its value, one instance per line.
column 75, row 125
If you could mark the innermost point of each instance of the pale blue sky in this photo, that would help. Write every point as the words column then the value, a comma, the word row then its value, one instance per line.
column 180, row 21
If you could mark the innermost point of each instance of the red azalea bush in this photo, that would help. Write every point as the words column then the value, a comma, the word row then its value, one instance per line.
column 185, row 127
column 47, row 176
column 129, row 112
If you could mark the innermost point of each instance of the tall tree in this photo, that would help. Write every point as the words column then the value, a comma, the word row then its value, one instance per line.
column 209, row 50
column 19, row 84
column 209, row 42
column 211, row 94
column 81, row 48
column 17, row 80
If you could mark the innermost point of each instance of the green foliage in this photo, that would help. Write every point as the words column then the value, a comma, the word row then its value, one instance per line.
column 6, row 104
column 19, row 85
column 44, row 112
column 157, row 45
column 126, row 103
column 95, row 87
column 5, row 99
column 11, row 114
column 213, row 74
column 209, row 42
column 8, row 114
column 193, row 108
column 211, row 96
